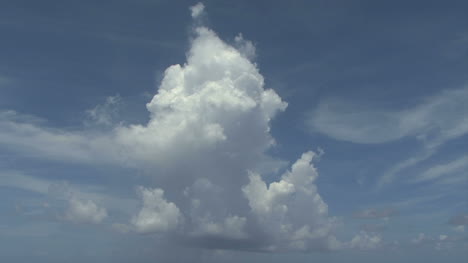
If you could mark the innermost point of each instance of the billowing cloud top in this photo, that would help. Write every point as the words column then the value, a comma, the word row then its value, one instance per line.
column 209, row 129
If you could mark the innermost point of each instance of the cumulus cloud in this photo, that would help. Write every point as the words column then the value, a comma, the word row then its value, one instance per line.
column 204, row 147
column 215, row 110
column 157, row 214
column 230, row 228
column 439, row 242
column 244, row 46
column 79, row 207
column 60, row 194
column 84, row 211
column 365, row 241
column 197, row 9
column 291, row 210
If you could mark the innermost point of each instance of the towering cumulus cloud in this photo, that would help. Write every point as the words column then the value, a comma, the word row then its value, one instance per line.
column 205, row 146
column 207, row 138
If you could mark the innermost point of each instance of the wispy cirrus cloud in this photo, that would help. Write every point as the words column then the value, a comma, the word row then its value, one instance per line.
column 439, row 118
column 451, row 172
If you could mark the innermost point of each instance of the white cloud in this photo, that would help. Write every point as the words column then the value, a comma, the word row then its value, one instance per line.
column 232, row 227
column 106, row 113
column 197, row 9
column 390, row 175
column 60, row 190
column 433, row 122
column 441, row 171
column 157, row 214
column 459, row 229
column 419, row 239
column 291, row 211
column 209, row 126
column 84, row 211
column 18, row 180
column 245, row 47
column 364, row 241
column 213, row 104
column 438, row 242
column 439, row 118
column 22, row 134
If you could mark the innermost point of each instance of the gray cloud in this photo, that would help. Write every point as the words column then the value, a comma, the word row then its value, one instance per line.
column 373, row 213
column 459, row 220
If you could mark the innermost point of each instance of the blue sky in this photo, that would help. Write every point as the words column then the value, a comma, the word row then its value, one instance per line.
column 227, row 131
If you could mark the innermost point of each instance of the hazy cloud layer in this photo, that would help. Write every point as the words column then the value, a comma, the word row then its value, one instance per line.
column 375, row 213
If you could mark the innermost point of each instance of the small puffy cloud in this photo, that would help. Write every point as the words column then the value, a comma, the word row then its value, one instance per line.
column 84, row 211
column 106, row 113
column 197, row 9
column 437, row 242
column 157, row 214
column 459, row 229
column 420, row 238
column 364, row 241
column 245, row 47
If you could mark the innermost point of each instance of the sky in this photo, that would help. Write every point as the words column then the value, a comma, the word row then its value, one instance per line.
column 233, row 131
